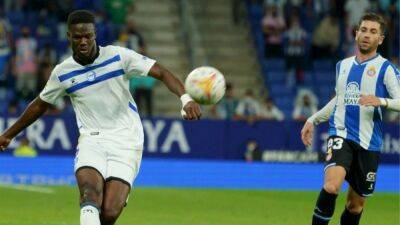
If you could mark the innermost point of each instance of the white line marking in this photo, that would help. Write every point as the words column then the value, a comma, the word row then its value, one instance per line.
column 29, row 188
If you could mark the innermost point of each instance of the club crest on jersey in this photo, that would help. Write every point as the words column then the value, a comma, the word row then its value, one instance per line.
column 371, row 71
column 352, row 94
column 91, row 76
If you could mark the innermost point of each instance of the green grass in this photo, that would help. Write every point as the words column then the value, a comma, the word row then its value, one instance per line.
column 151, row 206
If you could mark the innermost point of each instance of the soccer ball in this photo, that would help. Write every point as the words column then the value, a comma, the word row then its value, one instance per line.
column 206, row 85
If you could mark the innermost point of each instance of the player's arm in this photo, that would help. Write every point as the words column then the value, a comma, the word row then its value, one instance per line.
column 35, row 109
column 318, row 117
column 392, row 83
column 191, row 108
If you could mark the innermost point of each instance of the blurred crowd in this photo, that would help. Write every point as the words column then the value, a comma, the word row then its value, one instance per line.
column 248, row 108
column 317, row 29
column 33, row 39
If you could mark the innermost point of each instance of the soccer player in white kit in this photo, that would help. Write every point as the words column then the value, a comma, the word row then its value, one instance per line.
column 365, row 85
column 110, row 145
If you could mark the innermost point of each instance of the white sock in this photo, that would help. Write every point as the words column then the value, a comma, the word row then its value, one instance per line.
column 90, row 215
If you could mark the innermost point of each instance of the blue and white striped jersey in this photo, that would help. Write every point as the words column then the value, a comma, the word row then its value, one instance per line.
column 99, row 92
column 362, row 124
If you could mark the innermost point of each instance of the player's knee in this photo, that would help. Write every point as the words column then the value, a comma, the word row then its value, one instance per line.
column 332, row 188
column 355, row 207
column 90, row 193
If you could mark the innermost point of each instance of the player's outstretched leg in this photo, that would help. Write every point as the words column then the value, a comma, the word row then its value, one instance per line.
column 116, row 192
column 323, row 212
column 90, row 184
column 353, row 209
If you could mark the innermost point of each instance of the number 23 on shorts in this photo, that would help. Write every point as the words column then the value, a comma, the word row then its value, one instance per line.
column 335, row 143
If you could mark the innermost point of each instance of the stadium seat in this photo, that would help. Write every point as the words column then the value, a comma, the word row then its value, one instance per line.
column 308, row 79
column 325, row 93
column 322, row 78
column 323, row 65
column 15, row 18
column 279, row 90
column 275, row 63
column 284, row 102
column 274, row 77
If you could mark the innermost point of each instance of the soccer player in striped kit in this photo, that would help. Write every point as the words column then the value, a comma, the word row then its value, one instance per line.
column 366, row 84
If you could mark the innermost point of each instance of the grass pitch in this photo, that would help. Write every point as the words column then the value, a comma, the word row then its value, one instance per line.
column 159, row 206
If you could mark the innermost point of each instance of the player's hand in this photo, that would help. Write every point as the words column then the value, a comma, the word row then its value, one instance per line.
column 191, row 111
column 307, row 133
column 369, row 100
column 4, row 142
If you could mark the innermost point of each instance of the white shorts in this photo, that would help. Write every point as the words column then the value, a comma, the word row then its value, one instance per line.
column 113, row 157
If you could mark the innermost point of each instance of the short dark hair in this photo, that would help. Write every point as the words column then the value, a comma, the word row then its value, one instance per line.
column 80, row 16
column 376, row 18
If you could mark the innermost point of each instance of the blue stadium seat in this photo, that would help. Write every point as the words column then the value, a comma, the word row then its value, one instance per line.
column 10, row 95
column 15, row 18
column 323, row 65
column 308, row 79
column 3, row 109
column 284, row 102
column 325, row 93
column 274, row 77
column 255, row 11
column 275, row 64
column 279, row 90
column 322, row 78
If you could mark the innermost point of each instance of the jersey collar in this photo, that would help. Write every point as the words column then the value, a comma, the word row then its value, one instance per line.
column 370, row 59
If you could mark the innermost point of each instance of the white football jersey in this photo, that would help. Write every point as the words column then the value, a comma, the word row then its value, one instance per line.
column 99, row 91
column 361, row 124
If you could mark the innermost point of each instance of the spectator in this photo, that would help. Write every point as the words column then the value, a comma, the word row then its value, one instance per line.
column 305, row 105
column 326, row 38
column 117, row 10
column 131, row 38
column 354, row 11
column 253, row 152
column 248, row 108
column 269, row 111
column 319, row 7
column 25, row 64
column 279, row 4
column 122, row 39
column 47, row 55
column 5, row 42
column 226, row 108
column 24, row 149
column 295, row 51
column 273, row 27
